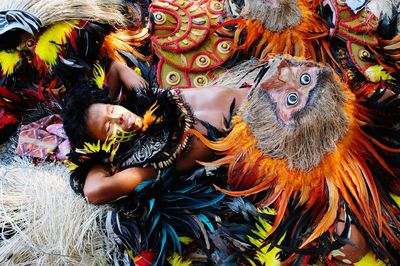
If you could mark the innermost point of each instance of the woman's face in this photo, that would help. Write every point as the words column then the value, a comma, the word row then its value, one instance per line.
column 104, row 118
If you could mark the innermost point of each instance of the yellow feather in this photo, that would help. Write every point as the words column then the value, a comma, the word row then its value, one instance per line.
column 370, row 260
column 267, row 210
column 269, row 258
column 137, row 70
column 51, row 40
column 264, row 256
column 92, row 147
column 396, row 199
column 377, row 73
column 71, row 166
column 177, row 260
column 8, row 61
column 99, row 75
column 185, row 240
column 97, row 147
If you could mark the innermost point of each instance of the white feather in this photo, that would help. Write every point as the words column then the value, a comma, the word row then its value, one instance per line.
column 238, row 75
column 383, row 7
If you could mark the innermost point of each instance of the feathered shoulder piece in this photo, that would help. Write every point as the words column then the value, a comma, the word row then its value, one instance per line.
column 158, row 146
column 164, row 140
column 307, row 141
column 176, row 213
column 281, row 27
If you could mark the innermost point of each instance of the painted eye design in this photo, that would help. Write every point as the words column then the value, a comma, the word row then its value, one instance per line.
column 292, row 98
column 305, row 79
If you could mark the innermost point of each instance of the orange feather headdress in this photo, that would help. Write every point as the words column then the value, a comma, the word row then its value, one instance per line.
column 294, row 28
column 312, row 156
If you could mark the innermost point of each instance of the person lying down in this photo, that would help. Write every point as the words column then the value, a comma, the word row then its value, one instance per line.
column 140, row 148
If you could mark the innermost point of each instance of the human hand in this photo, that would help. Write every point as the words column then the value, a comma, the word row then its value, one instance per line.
column 132, row 80
column 350, row 253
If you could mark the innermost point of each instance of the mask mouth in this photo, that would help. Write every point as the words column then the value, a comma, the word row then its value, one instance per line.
column 13, row 23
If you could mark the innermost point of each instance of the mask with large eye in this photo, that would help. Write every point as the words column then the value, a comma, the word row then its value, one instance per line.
column 292, row 99
column 305, row 79
column 289, row 89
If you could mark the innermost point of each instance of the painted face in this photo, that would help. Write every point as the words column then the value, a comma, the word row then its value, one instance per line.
column 290, row 89
column 107, row 121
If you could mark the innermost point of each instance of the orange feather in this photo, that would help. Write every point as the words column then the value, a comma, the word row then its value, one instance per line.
column 344, row 172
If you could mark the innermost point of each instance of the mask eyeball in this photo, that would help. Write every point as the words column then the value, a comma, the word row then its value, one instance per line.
column 292, row 99
column 305, row 79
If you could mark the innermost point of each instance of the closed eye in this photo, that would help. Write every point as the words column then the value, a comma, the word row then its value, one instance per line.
column 108, row 128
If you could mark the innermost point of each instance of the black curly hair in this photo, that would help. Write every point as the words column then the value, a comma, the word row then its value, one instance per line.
column 76, row 107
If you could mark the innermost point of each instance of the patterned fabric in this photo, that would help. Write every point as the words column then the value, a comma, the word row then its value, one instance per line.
column 190, row 42
column 15, row 19
column 44, row 139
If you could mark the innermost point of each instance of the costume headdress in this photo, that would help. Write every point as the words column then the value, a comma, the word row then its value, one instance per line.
column 306, row 141
column 281, row 27
column 53, row 24
column 46, row 46
column 161, row 139
column 25, row 14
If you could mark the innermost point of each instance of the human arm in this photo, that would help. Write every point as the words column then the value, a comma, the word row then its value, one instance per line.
column 120, row 74
column 197, row 152
column 102, row 187
column 351, row 253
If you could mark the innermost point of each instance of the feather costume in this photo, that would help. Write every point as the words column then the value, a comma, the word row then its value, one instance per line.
column 308, row 143
column 281, row 27
column 46, row 46
column 364, row 40
column 158, row 146
column 162, row 214
column 170, row 214
column 173, row 214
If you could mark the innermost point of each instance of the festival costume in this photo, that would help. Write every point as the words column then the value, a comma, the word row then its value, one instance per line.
column 369, row 87
column 359, row 39
column 364, row 41
column 288, row 28
column 174, row 213
column 345, row 161
column 47, row 46
column 158, row 146
column 190, row 42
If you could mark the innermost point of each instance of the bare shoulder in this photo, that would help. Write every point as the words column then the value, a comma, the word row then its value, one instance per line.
column 214, row 95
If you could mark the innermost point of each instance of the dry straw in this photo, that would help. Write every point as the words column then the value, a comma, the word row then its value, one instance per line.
column 53, row 11
column 49, row 224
